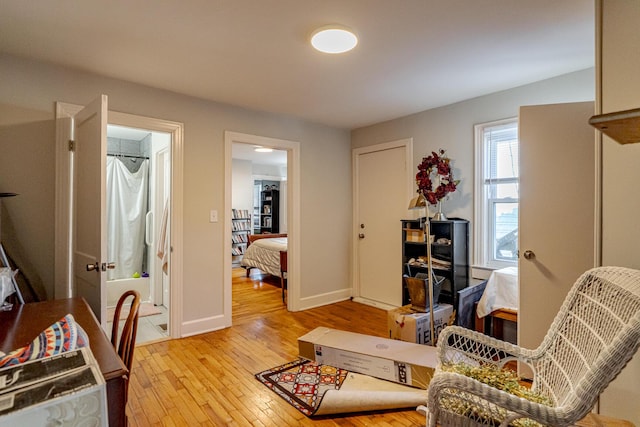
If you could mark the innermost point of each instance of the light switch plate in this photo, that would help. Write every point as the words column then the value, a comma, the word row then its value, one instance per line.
column 213, row 216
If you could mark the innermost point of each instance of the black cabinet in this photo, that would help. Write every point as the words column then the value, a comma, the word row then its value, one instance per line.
column 270, row 211
column 449, row 252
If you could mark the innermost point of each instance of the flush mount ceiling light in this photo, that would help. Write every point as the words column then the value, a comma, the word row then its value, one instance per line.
column 333, row 39
column 263, row 150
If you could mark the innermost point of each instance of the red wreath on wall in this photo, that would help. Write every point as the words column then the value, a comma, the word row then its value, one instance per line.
column 440, row 165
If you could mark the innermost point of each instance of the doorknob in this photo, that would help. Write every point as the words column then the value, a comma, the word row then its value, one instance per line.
column 93, row 267
column 528, row 254
column 361, row 235
column 104, row 267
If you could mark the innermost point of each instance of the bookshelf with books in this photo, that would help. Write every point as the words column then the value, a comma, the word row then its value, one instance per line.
column 240, row 230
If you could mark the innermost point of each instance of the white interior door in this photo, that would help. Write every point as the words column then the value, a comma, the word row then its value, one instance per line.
column 89, row 217
column 557, row 210
column 382, row 197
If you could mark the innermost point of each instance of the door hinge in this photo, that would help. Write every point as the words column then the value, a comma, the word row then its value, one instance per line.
column 72, row 145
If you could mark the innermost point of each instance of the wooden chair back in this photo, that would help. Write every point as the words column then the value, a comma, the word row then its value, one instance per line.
column 125, row 342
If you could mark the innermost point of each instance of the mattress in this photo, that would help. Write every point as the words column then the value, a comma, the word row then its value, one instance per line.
column 264, row 254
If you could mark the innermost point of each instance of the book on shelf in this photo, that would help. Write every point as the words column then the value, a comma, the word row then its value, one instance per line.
column 240, row 238
column 241, row 226
column 240, row 214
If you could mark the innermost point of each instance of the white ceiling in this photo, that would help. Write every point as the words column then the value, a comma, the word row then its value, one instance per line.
column 413, row 54
column 247, row 152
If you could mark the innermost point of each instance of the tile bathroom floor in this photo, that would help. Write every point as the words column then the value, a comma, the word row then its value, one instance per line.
column 150, row 328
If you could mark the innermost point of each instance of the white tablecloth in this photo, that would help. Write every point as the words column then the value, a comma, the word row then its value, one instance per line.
column 501, row 291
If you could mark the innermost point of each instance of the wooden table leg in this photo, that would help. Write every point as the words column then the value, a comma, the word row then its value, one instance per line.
column 480, row 322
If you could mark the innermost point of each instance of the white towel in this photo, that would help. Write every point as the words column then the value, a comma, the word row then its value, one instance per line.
column 163, row 242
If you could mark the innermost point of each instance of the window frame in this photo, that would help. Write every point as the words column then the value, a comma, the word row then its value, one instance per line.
column 484, row 208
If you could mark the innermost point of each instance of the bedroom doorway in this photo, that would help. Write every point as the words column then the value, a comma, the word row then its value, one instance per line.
column 241, row 178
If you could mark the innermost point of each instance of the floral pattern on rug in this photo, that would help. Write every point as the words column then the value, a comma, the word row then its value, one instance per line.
column 302, row 383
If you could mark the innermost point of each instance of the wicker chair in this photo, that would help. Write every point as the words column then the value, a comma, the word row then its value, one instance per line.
column 594, row 335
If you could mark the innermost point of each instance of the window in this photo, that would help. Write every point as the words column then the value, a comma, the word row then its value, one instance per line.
column 497, row 196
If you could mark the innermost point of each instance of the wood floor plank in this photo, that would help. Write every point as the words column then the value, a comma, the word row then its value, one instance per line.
column 209, row 379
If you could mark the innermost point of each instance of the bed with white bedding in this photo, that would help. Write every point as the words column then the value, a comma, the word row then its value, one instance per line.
column 264, row 253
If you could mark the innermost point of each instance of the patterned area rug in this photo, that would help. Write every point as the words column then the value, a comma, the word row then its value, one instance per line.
column 303, row 383
column 319, row 390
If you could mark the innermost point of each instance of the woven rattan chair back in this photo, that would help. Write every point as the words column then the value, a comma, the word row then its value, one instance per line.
column 592, row 338
column 594, row 335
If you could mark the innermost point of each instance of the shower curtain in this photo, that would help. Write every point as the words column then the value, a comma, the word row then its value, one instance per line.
column 127, row 195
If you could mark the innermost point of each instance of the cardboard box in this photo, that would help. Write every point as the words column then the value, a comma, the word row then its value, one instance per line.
column 57, row 390
column 387, row 359
column 407, row 325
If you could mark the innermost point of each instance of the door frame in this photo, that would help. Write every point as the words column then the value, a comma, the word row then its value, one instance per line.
column 63, row 267
column 407, row 144
column 293, row 214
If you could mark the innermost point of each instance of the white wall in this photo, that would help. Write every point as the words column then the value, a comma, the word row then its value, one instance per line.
column 620, row 90
column 242, row 185
column 451, row 128
column 27, row 219
column 269, row 172
column 31, row 88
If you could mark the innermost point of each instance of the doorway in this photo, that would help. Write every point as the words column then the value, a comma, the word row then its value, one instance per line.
column 138, row 192
column 171, row 160
column 259, row 200
column 291, row 195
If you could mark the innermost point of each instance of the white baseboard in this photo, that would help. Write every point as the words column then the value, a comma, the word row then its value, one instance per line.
column 325, row 299
column 201, row 326
column 376, row 304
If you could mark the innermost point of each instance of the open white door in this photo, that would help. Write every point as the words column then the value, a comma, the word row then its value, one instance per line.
column 89, row 211
column 557, row 206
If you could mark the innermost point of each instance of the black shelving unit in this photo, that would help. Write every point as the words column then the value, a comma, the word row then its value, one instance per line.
column 450, row 245
column 270, row 211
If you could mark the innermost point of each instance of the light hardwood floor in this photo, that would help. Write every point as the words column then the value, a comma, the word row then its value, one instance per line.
column 208, row 380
